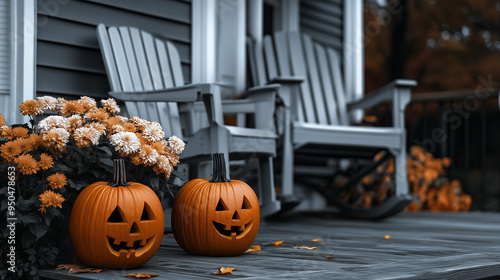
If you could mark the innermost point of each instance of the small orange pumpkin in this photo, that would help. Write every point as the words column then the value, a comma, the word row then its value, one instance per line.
column 217, row 217
column 116, row 225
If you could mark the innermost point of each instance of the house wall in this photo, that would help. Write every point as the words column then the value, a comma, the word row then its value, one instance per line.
column 68, row 58
column 323, row 21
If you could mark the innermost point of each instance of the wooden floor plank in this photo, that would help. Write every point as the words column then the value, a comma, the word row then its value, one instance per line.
column 421, row 246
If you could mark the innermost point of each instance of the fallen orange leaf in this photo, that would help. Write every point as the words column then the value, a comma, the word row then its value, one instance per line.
column 98, row 270
column 329, row 256
column 141, row 275
column 317, row 240
column 224, row 270
column 255, row 248
column 170, row 234
column 278, row 243
column 73, row 268
column 387, row 237
column 305, row 248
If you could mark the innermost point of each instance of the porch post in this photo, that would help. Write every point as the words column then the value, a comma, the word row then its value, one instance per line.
column 203, row 44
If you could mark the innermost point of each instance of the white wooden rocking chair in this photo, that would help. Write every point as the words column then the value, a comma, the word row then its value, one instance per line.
column 315, row 123
column 145, row 72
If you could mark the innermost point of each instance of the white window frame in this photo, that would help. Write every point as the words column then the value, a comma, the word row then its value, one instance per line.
column 23, row 59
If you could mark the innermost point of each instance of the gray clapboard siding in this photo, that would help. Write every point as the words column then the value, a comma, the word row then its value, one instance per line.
column 69, row 61
column 4, row 47
column 323, row 21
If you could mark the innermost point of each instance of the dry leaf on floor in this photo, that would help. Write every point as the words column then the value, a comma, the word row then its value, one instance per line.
column 170, row 234
column 387, row 237
column 73, row 268
column 278, row 243
column 305, row 248
column 224, row 270
column 328, row 256
column 98, row 270
column 317, row 240
column 141, row 275
column 255, row 248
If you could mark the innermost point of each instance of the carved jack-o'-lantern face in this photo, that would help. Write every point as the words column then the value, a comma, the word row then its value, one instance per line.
column 218, row 217
column 233, row 220
column 130, row 237
column 116, row 226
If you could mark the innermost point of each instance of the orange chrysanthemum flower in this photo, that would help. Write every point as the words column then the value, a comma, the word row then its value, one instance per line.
column 20, row 132
column 139, row 123
column 100, row 115
column 57, row 181
column 129, row 127
column 2, row 120
column 36, row 140
column 98, row 126
column 49, row 198
column 9, row 151
column 160, row 147
column 26, row 164
column 110, row 105
column 148, row 155
column 88, row 103
column 75, row 122
column 45, row 161
column 56, row 139
column 30, row 107
column 8, row 133
column 71, row 107
column 86, row 136
column 24, row 144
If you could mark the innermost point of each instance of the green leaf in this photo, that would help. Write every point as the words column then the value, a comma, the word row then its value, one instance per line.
column 27, row 219
column 38, row 230
column 61, row 168
column 154, row 181
column 105, row 149
column 106, row 161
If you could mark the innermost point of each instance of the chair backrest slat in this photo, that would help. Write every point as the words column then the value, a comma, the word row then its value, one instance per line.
column 120, row 59
column 131, row 59
column 282, row 53
column 176, row 65
column 327, row 85
column 299, row 65
column 314, row 81
column 270, row 58
column 256, row 61
column 334, row 62
column 108, row 57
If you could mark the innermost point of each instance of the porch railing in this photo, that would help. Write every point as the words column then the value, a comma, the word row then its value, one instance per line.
column 464, row 126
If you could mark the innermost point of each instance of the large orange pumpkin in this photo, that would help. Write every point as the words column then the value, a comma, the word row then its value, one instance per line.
column 116, row 225
column 217, row 217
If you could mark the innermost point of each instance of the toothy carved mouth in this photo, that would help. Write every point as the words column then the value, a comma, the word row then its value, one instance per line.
column 234, row 231
column 138, row 246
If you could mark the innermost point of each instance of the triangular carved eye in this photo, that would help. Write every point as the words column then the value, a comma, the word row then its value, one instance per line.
column 221, row 206
column 117, row 216
column 147, row 213
column 246, row 204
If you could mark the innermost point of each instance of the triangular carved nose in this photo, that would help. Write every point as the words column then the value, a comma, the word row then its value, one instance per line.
column 134, row 228
column 236, row 216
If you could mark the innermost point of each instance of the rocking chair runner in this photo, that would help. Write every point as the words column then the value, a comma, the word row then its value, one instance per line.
column 145, row 72
column 314, row 123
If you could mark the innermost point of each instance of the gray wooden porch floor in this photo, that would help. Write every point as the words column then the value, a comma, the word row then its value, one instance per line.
column 422, row 246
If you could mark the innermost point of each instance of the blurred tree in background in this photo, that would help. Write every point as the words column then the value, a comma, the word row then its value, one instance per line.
column 444, row 45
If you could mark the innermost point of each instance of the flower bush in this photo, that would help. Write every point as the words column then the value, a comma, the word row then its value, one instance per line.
column 56, row 156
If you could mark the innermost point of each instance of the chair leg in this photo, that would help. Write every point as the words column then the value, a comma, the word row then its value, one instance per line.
column 269, row 204
column 400, row 174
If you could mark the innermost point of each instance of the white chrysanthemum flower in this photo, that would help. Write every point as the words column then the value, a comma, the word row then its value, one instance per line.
column 88, row 103
column 125, row 142
column 57, row 138
column 153, row 132
column 110, row 105
column 60, row 103
column 99, row 127
column 86, row 136
column 176, row 144
column 148, row 155
column 48, row 102
column 53, row 122
column 163, row 164
column 117, row 128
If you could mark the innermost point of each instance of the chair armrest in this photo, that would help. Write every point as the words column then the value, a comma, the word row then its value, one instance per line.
column 396, row 91
column 209, row 93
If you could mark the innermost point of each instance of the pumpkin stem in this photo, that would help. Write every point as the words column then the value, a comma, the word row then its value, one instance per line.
column 219, row 169
column 119, row 175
